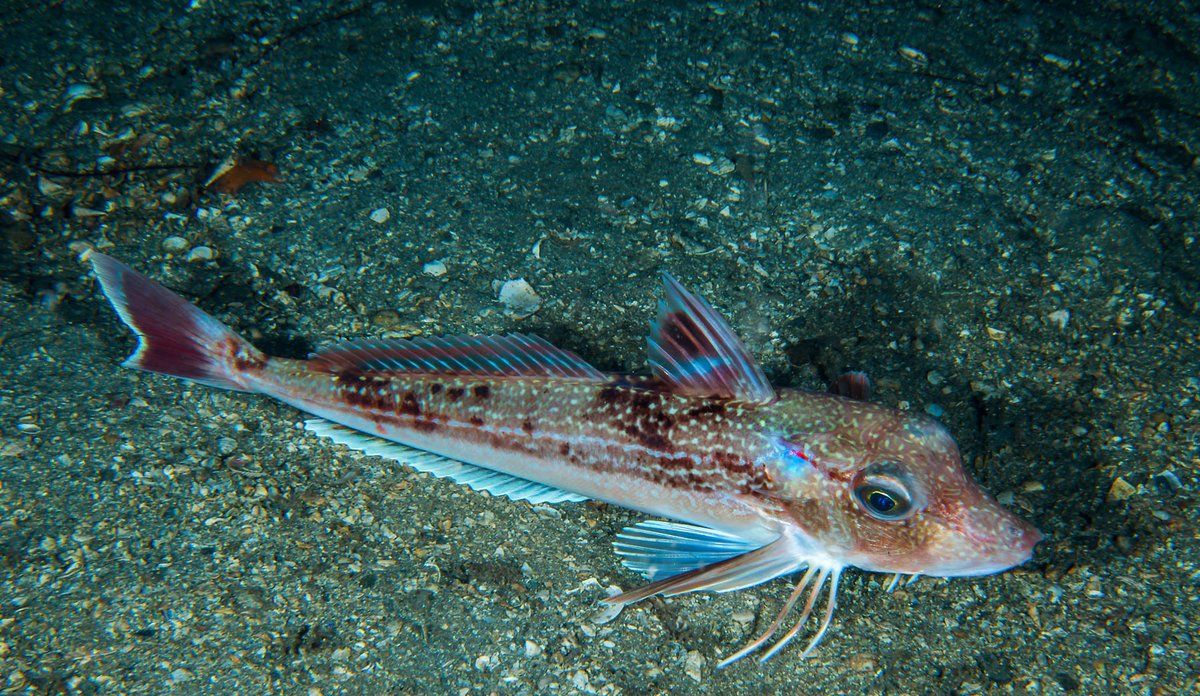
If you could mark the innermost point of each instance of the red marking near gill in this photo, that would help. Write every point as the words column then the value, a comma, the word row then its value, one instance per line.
column 805, row 454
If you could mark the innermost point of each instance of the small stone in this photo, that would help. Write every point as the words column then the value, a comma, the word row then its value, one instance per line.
column 200, row 253
column 702, row 159
column 380, row 215
column 1120, row 490
column 722, row 167
column 913, row 55
column 387, row 319
column 434, row 268
column 693, row 666
column 1057, row 61
column 532, row 649
column 49, row 188
column 1059, row 318
column 174, row 244
column 227, row 445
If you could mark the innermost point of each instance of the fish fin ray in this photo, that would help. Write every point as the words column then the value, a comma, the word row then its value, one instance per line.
column 695, row 351
column 476, row 478
column 511, row 355
column 658, row 549
column 737, row 573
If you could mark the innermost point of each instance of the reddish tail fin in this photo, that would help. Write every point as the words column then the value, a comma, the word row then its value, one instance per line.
column 174, row 337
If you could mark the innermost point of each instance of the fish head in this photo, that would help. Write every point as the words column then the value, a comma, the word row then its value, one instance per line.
column 886, row 491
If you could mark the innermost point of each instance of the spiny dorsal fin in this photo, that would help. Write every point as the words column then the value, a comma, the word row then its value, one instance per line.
column 695, row 351
column 513, row 355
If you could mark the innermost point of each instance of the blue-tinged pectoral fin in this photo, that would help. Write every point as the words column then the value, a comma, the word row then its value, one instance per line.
column 734, row 573
column 659, row 549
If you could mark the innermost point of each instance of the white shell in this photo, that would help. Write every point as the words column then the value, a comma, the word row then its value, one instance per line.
column 519, row 298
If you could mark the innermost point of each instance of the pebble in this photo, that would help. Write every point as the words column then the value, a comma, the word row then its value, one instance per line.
column 1057, row 61
column 693, row 666
column 913, row 55
column 1059, row 318
column 380, row 215
column 1120, row 490
column 200, row 253
column 174, row 244
column 722, row 167
column 434, row 268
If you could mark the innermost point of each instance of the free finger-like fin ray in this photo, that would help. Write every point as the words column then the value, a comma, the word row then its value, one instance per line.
column 812, row 582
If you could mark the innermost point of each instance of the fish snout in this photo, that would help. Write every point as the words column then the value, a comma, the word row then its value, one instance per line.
column 991, row 540
column 1022, row 534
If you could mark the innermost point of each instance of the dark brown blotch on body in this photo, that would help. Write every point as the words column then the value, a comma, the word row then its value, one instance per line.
column 357, row 391
column 409, row 406
column 640, row 413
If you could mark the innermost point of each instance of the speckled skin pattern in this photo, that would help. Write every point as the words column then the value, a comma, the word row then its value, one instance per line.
column 781, row 465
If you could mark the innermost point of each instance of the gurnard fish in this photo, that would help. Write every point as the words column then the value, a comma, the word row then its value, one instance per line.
column 754, row 482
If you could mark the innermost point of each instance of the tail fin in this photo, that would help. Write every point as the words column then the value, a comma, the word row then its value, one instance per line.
column 174, row 337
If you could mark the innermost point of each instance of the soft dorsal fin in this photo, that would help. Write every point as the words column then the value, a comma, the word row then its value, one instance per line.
column 695, row 351
column 513, row 355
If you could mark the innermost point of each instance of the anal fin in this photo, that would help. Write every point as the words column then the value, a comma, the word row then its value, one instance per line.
column 476, row 478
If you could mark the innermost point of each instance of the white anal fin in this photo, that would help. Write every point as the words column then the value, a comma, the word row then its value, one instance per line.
column 736, row 573
column 474, row 477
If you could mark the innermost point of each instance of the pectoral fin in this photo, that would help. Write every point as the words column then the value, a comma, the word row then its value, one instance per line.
column 660, row 549
column 739, row 572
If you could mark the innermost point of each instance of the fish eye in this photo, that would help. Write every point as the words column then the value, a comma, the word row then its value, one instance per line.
column 883, row 498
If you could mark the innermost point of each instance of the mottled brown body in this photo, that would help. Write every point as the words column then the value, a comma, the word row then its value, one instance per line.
column 621, row 425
